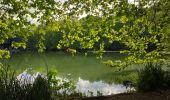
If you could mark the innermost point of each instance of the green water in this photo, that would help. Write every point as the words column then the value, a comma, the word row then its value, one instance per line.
column 86, row 67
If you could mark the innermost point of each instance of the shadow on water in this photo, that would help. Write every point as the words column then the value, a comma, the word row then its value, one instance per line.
column 120, row 76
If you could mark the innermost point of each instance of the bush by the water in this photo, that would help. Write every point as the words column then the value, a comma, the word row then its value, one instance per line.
column 34, row 88
column 153, row 78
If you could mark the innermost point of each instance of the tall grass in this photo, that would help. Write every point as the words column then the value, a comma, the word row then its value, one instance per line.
column 12, row 89
column 43, row 88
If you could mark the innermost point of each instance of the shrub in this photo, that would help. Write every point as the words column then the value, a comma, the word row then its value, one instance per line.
column 152, row 78
column 12, row 89
column 42, row 88
column 167, row 80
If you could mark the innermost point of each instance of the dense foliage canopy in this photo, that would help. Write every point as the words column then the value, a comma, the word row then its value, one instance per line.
column 143, row 27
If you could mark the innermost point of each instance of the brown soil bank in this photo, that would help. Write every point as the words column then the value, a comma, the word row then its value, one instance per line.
column 163, row 95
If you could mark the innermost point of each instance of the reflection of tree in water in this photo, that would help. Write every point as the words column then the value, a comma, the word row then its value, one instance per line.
column 120, row 76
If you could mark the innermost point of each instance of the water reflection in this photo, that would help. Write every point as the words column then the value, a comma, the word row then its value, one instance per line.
column 26, row 78
column 85, row 86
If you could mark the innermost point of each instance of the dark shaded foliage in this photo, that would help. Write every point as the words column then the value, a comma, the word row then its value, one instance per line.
column 12, row 89
column 153, row 78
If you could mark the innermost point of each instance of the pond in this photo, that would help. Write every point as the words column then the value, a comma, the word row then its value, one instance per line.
column 86, row 67
column 89, row 72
